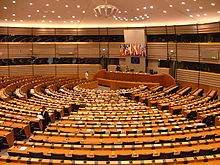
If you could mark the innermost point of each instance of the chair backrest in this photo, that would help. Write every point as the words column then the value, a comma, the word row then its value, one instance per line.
column 124, row 157
column 36, row 155
column 101, row 157
column 57, row 156
column 79, row 157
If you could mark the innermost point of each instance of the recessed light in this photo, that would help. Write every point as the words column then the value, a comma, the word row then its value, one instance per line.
column 73, row 16
column 71, row 21
column 59, row 16
column 38, row 11
column 183, row 3
column 137, row 9
column 200, row 7
column 50, row 21
column 43, row 21
column 96, row 15
column 190, row 15
column 188, row 10
column 148, row 16
column 194, row 0
column 66, row 6
column 21, row 20
column 78, row 20
column 47, row 4
column 53, row 11
column 198, row 15
column 151, row 7
column 125, row 11
column 5, row 7
column 164, row 11
column 205, row 14
column 218, row 12
column 145, row 15
column 145, row 8
column 13, row 1
column 78, row 6
column 140, row 16
column 170, row 5
column 30, row 3
column 83, row 11
column 213, row 4
column 44, row 16
column 29, row 16
column 119, row 11
column 13, row 20
column 132, row 19
column 13, row 14
column 6, row 19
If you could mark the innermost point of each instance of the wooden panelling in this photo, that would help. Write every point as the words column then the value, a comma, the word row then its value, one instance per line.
column 20, row 31
column 116, row 31
column 187, row 75
column 3, row 30
column 43, row 31
column 44, row 69
column 20, row 51
column 186, row 29
column 44, row 50
column 4, row 71
column 156, row 30
column 157, row 51
column 209, row 28
column 210, row 79
column 90, row 50
column 114, row 50
column 66, row 50
column 66, row 31
column 88, row 31
column 3, row 51
column 18, row 70
column 187, row 52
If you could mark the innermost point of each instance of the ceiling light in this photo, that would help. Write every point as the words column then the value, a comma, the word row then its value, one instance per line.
column 183, row 3
column 125, row 11
column 198, row 15
column 73, row 16
column 13, row 14
column 59, row 16
column 83, row 11
column 13, row 20
column 6, row 19
column 5, row 7
column 218, row 12
column 43, row 21
column 164, row 11
column 13, row 1
column 44, row 16
column 145, row 8
column 188, row 10
column 38, row 11
column 47, row 4
column 106, row 10
column 78, row 6
column 78, row 20
column 213, row 4
column 66, row 6
column 71, row 21
column 151, row 7
column 132, row 19
column 137, row 9
column 30, row 3
column 170, row 5
column 29, row 16
column 50, row 21
column 205, row 14
column 190, row 15
column 64, row 21
column 21, row 20
column 200, row 7
column 53, row 11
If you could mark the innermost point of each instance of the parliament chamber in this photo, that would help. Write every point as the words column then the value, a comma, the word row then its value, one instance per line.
column 113, row 83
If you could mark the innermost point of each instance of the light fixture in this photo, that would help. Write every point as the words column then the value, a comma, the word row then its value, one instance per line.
column 106, row 10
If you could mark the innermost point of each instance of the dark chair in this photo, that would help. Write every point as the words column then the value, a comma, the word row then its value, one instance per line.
column 205, row 152
column 145, row 157
column 147, row 131
column 79, row 157
column 176, row 128
column 36, row 155
column 124, row 157
column 196, row 138
column 128, row 143
column 212, row 136
column 99, row 132
column 57, row 156
column 131, row 132
column 180, row 139
column 101, row 158
column 186, row 154
column 166, row 155
column 115, row 132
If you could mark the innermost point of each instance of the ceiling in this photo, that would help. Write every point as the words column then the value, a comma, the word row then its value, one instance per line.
column 133, row 13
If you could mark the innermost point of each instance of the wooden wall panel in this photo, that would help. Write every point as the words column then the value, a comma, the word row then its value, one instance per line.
column 18, row 70
column 114, row 50
column 187, row 75
column 66, row 31
column 209, row 28
column 44, row 50
column 3, row 51
column 88, row 31
column 210, row 79
column 156, row 30
column 116, row 31
column 19, row 31
column 20, row 51
column 4, row 71
column 43, row 31
column 62, row 48
column 44, row 69
column 157, row 51
column 3, row 30
column 186, row 29
column 88, row 50
column 187, row 52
